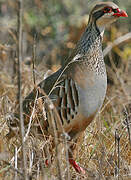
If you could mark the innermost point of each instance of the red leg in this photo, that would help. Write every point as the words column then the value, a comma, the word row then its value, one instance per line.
column 77, row 167
column 72, row 153
column 46, row 162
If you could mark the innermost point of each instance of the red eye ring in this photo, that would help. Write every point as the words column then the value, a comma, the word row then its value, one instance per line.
column 107, row 10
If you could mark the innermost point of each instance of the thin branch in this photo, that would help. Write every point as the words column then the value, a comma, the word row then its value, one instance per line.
column 117, row 146
column 20, row 14
column 51, row 106
column 31, row 117
column 127, row 122
column 31, row 159
column 116, row 43
column 16, row 163
column 34, row 59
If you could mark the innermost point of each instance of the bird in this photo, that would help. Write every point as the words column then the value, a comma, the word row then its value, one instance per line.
column 77, row 90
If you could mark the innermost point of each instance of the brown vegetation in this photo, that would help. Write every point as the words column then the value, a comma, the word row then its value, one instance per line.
column 106, row 149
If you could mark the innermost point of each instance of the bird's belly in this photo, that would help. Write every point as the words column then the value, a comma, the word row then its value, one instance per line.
column 91, row 97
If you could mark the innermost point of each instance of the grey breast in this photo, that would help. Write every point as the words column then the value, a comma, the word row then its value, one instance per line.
column 92, row 96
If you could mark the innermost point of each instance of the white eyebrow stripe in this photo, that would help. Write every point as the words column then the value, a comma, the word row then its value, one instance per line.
column 108, row 14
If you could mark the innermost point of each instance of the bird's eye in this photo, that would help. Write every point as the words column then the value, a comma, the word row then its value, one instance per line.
column 107, row 10
column 115, row 10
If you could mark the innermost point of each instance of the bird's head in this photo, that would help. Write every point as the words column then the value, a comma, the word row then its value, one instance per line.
column 104, row 13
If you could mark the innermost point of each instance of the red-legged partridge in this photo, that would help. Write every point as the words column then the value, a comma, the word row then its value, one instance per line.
column 78, row 88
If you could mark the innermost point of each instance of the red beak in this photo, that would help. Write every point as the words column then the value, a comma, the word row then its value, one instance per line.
column 120, row 13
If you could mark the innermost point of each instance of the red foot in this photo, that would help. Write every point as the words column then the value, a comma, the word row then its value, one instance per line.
column 46, row 162
column 77, row 167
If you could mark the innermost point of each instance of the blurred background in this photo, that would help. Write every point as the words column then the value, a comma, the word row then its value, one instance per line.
column 50, row 32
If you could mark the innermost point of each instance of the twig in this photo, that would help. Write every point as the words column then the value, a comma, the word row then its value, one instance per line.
column 31, row 117
column 127, row 123
column 117, row 146
column 20, row 14
column 34, row 59
column 67, row 157
column 31, row 159
column 15, row 163
column 116, row 43
column 38, row 170
column 51, row 106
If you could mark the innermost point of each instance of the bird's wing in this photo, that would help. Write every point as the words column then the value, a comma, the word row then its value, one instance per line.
column 61, row 89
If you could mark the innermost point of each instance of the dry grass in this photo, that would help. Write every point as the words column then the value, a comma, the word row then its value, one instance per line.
column 105, row 152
